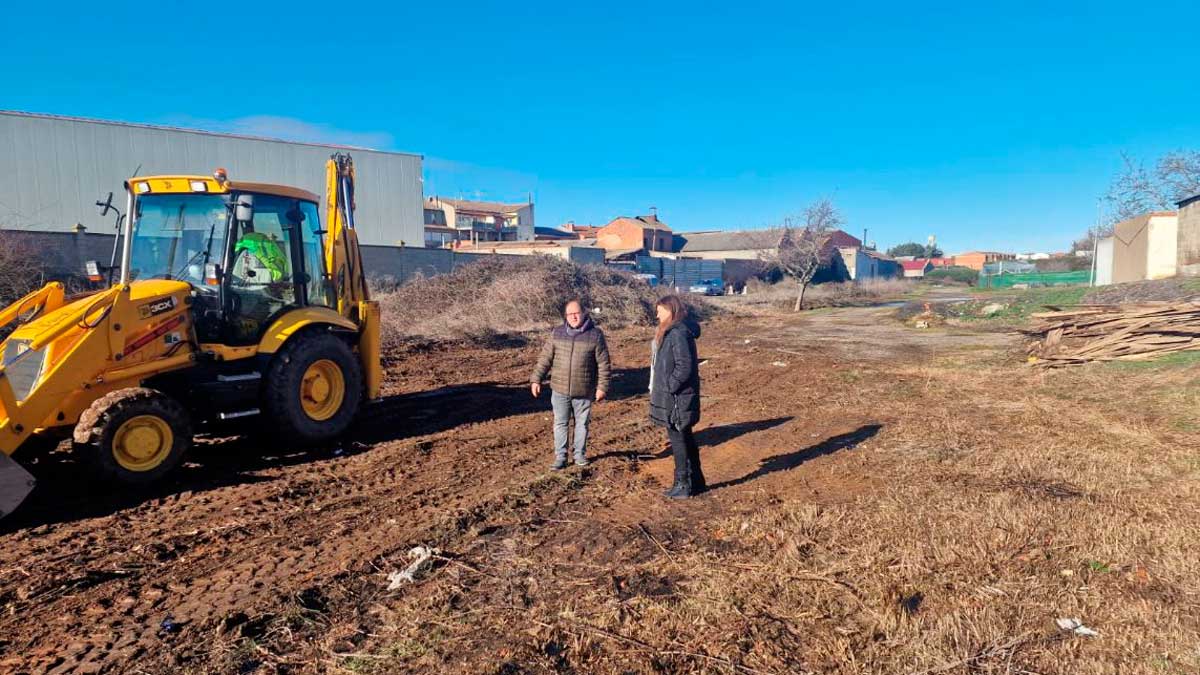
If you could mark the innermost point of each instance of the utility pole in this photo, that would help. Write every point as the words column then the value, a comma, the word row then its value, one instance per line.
column 1095, row 243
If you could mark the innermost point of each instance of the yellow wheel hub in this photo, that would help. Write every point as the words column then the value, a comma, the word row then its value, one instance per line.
column 143, row 442
column 322, row 390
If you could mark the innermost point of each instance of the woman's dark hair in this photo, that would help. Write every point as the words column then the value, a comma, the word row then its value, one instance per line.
column 678, row 313
column 575, row 299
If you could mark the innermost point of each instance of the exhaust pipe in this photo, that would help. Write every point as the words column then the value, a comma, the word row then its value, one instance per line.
column 15, row 485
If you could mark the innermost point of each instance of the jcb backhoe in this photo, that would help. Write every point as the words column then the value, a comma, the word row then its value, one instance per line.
column 231, row 302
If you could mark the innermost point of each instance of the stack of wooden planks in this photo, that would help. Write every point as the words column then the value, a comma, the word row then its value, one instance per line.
column 1087, row 333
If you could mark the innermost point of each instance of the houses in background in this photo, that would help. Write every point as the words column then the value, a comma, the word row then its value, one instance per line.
column 1155, row 245
column 977, row 259
column 740, row 250
column 509, row 229
column 625, row 235
column 916, row 268
column 449, row 221
column 864, row 264
column 845, row 257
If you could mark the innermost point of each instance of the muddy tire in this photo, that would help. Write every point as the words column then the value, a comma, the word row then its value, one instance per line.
column 134, row 436
column 313, row 388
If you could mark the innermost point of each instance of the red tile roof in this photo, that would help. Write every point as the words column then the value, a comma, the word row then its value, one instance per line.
column 490, row 208
column 914, row 264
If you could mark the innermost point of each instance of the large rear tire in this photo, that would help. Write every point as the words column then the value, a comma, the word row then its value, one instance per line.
column 313, row 388
column 134, row 436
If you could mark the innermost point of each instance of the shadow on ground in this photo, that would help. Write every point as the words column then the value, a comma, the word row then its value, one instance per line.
column 792, row 460
column 705, row 437
column 235, row 455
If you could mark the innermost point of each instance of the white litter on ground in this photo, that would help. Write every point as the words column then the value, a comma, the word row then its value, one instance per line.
column 1076, row 626
column 422, row 557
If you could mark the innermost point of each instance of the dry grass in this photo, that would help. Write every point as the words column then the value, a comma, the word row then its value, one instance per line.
column 994, row 500
column 502, row 295
column 782, row 295
column 996, row 510
column 1141, row 291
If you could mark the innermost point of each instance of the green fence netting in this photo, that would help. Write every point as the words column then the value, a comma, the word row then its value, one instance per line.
column 1034, row 279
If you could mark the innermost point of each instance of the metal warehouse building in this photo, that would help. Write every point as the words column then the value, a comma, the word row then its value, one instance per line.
column 53, row 169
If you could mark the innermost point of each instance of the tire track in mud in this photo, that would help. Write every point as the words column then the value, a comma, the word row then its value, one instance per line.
column 268, row 548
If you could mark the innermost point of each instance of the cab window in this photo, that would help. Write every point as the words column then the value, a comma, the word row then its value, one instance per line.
column 316, row 285
column 262, row 279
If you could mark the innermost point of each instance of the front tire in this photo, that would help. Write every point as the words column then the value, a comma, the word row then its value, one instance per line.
column 134, row 436
column 313, row 388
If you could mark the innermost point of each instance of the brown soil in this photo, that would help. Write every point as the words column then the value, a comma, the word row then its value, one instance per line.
column 834, row 538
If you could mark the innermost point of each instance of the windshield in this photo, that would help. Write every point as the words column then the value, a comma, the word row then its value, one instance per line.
column 175, row 235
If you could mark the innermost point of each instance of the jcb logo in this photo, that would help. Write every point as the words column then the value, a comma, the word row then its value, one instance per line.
column 157, row 307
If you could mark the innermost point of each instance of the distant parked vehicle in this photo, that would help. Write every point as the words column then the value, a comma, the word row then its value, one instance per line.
column 648, row 278
column 708, row 287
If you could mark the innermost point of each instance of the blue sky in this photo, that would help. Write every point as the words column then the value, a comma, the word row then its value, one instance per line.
column 990, row 127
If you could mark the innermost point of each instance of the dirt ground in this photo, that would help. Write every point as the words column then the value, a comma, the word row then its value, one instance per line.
column 884, row 499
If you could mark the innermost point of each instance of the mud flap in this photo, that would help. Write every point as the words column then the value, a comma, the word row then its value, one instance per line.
column 15, row 484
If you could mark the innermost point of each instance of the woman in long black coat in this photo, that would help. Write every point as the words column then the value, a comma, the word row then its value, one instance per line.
column 675, row 392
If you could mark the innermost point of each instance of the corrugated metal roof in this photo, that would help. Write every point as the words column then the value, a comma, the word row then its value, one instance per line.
column 744, row 240
column 53, row 169
column 202, row 132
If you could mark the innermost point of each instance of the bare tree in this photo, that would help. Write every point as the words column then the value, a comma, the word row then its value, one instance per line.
column 1178, row 175
column 800, row 250
column 21, row 268
column 1136, row 190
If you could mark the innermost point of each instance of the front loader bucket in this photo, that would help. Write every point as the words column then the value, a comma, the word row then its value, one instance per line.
column 15, row 484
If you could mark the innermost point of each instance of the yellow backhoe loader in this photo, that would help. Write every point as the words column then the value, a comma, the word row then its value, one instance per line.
column 232, row 302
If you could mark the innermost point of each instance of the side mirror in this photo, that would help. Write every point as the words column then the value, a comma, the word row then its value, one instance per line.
column 106, row 205
column 245, row 208
column 294, row 215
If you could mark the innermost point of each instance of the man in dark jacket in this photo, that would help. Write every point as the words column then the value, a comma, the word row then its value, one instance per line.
column 576, row 358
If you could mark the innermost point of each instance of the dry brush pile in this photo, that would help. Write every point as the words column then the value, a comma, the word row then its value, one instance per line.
column 509, row 295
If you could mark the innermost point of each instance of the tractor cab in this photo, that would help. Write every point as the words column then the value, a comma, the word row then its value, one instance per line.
column 250, row 252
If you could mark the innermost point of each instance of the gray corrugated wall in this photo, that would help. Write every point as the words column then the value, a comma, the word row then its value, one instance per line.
column 586, row 256
column 681, row 272
column 52, row 170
